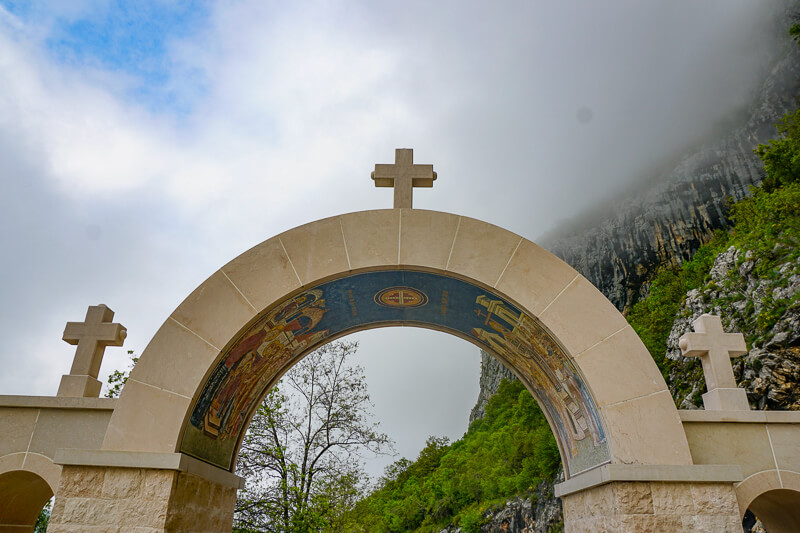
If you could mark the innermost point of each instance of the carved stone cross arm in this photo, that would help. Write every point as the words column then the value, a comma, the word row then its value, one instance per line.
column 715, row 348
column 91, row 337
column 403, row 175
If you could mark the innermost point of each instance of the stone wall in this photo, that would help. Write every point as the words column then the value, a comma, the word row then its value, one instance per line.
column 94, row 499
column 653, row 506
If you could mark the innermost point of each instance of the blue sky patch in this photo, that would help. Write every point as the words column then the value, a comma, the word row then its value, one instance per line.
column 123, row 36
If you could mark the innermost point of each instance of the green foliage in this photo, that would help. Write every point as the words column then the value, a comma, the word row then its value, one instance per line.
column 653, row 316
column 43, row 519
column 508, row 452
column 781, row 157
column 118, row 378
column 301, row 456
column 794, row 31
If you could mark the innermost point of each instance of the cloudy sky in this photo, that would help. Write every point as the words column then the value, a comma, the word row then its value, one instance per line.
column 145, row 144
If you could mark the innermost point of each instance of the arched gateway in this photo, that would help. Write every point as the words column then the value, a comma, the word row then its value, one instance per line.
column 169, row 445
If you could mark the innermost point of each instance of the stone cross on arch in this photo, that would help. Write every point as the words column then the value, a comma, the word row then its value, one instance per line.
column 715, row 348
column 91, row 337
column 403, row 175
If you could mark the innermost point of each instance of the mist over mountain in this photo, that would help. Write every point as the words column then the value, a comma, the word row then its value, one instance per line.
column 666, row 215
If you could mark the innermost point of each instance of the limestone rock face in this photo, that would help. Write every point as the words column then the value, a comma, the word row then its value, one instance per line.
column 617, row 248
column 766, row 310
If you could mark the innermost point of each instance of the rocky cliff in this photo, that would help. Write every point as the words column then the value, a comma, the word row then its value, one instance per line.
column 765, row 306
column 670, row 215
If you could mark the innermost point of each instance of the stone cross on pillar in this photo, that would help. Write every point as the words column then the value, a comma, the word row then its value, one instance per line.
column 403, row 176
column 92, row 336
column 715, row 348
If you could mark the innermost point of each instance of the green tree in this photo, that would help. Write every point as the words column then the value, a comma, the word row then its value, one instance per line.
column 118, row 378
column 43, row 519
column 302, row 453
column 781, row 157
column 510, row 451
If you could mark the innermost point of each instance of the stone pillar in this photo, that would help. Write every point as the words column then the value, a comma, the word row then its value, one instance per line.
column 95, row 499
column 635, row 506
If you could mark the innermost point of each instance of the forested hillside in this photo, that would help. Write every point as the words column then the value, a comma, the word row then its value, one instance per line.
column 511, row 450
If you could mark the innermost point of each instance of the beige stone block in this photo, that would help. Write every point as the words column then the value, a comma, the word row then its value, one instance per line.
column 633, row 523
column 316, row 250
column 729, row 443
column 45, row 468
column 422, row 234
column 372, row 238
column 791, row 480
column 646, row 430
column 58, row 509
column 672, row 499
column 786, row 444
column 221, row 496
column 732, row 399
column 671, row 523
column 263, row 273
column 175, row 359
column 714, row 498
column 81, row 482
column 712, row 524
column 481, row 251
column 596, row 502
column 17, row 427
column 11, row 462
column 123, row 482
column 633, row 498
column 79, row 386
column 92, row 511
column 158, row 483
column 581, row 317
column 141, row 512
column 535, row 277
column 620, row 368
column 147, row 419
column 65, row 428
column 83, row 528
column 749, row 489
column 215, row 310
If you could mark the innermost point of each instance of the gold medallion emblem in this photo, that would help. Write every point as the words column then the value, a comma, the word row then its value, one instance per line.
column 401, row 297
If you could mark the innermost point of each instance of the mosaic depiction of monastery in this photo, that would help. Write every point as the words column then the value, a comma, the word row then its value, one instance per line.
column 289, row 330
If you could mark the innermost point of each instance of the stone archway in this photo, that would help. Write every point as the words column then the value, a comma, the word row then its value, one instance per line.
column 619, row 374
column 23, row 494
column 772, row 496
column 27, row 482
column 186, row 404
